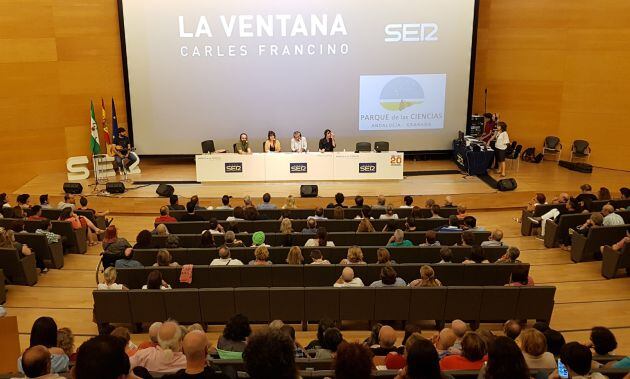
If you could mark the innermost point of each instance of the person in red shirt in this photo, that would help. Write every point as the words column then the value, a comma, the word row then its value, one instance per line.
column 164, row 216
column 489, row 123
column 473, row 354
column 36, row 215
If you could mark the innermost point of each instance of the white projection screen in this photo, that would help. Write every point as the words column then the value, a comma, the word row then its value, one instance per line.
column 395, row 70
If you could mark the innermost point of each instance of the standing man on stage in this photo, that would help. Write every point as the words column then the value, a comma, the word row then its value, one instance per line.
column 328, row 142
column 122, row 151
column 242, row 147
column 298, row 143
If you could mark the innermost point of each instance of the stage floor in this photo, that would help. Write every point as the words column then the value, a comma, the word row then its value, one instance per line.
column 546, row 177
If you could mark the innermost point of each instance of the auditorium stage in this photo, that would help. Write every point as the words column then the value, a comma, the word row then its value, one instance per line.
column 428, row 180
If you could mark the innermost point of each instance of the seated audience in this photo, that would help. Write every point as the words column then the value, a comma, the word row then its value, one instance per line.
column 520, row 278
column 476, row 256
column 354, row 257
column 164, row 259
column 427, row 278
column 410, row 224
column 353, row 361
column 127, row 261
column 258, row 239
column 571, row 207
column 380, row 202
column 160, row 230
column 317, row 258
column 453, row 225
column 398, row 239
column 289, row 331
column 36, row 213
column 7, row 240
column 123, row 333
column 144, row 240
column 67, row 202
column 83, row 202
column 555, row 341
column 534, row 346
column 389, row 213
column 331, row 339
column 311, row 226
column 408, row 202
column 225, row 202
column 512, row 329
column 604, row 194
column 347, row 279
column 386, row 342
column 155, row 282
column 435, row 211
column 448, row 201
column 610, row 217
column 389, row 278
column 383, row 256
column 578, row 360
column 294, row 257
column 443, row 341
column 586, row 195
column 365, row 226
column 289, row 203
column 207, row 239
column 251, row 214
column 461, row 212
column 511, row 255
column 473, row 354
column 373, row 337
column 36, row 363
column 323, row 325
column 494, row 239
column 237, row 215
column 459, row 328
column 321, row 240
column 112, row 244
column 44, row 334
column 538, row 199
column 43, row 201
column 423, row 361
column 261, row 255
column 109, row 276
column 270, row 354
column 468, row 238
column 446, row 255
column 167, row 356
column 431, row 239
column 339, row 199
column 174, row 204
column 102, row 357
column 390, row 226
column 266, row 204
column 505, row 360
column 65, row 341
column 78, row 222
column 286, row 232
column 198, row 207
column 153, row 333
column 602, row 341
column 338, row 213
column 215, row 227
column 235, row 334
column 319, row 214
column 470, row 223
column 225, row 259
column 231, row 240
column 47, row 231
column 195, row 347
column 358, row 202
column 190, row 213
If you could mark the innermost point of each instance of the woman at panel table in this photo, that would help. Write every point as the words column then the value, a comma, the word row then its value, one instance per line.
column 242, row 146
column 272, row 144
column 298, row 143
column 328, row 142
column 502, row 140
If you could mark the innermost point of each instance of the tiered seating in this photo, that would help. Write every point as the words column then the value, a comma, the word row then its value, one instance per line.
column 217, row 305
column 75, row 242
column 50, row 253
column 613, row 260
column 557, row 231
column 586, row 248
column 18, row 270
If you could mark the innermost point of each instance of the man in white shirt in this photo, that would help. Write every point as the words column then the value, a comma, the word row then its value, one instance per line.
column 610, row 217
column 319, row 214
column 298, row 143
column 68, row 201
column 347, row 279
column 494, row 239
column 225, row 258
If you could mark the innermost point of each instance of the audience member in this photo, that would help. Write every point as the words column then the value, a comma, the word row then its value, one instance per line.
column 578, row 360
column 423, row 362
column 555, row 341
column 365, row 226
column 160, row 230
column 235, row 334
column 225, row 259
column 610, row 217
column 538, row 199
column 534, row 346
column 505, row 361
column 323, row 325
column 386, row 342
column 461, row 212
column 289, row 203
column 154, row 328
column 459, row 328
column 353, row 257
column 270, row 354
column 476, row 256
column 144, row 240
column 102, row 357
column 520, row 277
column 207, row 239
column 311, row 226
column 511, row 255
column 473, row 354
column 164, row 259
column 286, row 233
column 109, row 276
column 389, row 213
column 353, row 361
column 602, row 341
column 317, row 258
column 247, row 201
column 238, row 214
column 410, row 224
column 36, row 363
column 46, row 230
column 7, row 240
column 358, row 202
column 67, row 202
column 331, row 339
column 289, row 331
column 156, row 282
column 44, row 333
column 231, row 240
column 319, row 214
column 78, row 222
column 446, row 255
column 468, row 238
column 390, row 226
column 261, row 255
column 443, row 341
column 431, row 239
column 198, row 207
column 338, row 213
column 123, row 333
column 321, row 240
column 383, row 256
column 43, row 201
column 495, row 239
column 174, row 204
column 65, row 341
column 408, row 202
column 258, row 239
column 429, row 203
column 347, row 279
column 453, row 225
column 586, row 195
column 127, row 261
column 435, row 211
column 225, row 202
column 604, row 194
column 389, row 278
column 36, row 213
column 295, row 257
column 112, row 244
column 398, row 239
column 380, row 202
column 512, row 329
column 190, row 213
column 167, row 356
column 266, row 204
column 215, row 227
column 470, row 223
column 195, row 346
column 427, row 278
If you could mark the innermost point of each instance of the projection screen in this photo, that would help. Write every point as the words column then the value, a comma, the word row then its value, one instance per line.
column 395, row 71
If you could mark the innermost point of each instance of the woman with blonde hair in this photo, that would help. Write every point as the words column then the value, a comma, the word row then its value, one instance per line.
column 354, row 257
column 164, row 259
column 65, row 341
column 289, row 203
column 109, row 275
column 295, row 256
column 389, row 213
column 161, row 230
column 262, row 256
column 365, row 226
column 338, row 213
column 286, row 231
column 533, row 343
column 427, row 278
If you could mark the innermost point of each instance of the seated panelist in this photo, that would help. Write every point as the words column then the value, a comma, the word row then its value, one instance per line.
column 298, row 143
column 328, row 142
column 242, row 146
column 272, row 144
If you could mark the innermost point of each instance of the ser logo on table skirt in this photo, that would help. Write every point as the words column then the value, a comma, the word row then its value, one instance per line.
column 298, row 168
column 367, row 168
column 233, row 167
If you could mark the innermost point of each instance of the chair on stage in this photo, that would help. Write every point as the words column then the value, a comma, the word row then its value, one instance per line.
column 514, row 156
column 552, row 146
column 381, row 146
column 363, row 147
column 580, row 149
column 207, row 147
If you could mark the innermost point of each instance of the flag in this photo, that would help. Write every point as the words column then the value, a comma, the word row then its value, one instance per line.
column 114, row 122
column 94, row 143
column 106, row 136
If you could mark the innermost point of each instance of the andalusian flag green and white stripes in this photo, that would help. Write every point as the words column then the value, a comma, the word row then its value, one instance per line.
column 94, row 143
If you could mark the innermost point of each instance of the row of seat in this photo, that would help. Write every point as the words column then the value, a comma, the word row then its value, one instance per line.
column 453, row 274
column 587, row 247
column 278, row 255
column 299, row 239
column 218, row 305
column 558, row 230
column 614, row 260
column 18, row 270
column 539, row 210
column 75, row 239
column 351, row 225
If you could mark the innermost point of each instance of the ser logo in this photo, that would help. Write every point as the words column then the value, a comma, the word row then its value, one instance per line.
column 233, row 167
column 367, row 168
column 298, row 168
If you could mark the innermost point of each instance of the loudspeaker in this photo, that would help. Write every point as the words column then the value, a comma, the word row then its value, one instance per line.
column 507, row 184
column 73, row 188
column 308, row 190
column 165, row 190
column 115, row 187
